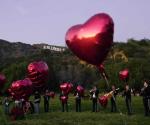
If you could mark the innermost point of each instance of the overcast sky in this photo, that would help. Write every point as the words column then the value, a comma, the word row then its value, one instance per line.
column 36, row 21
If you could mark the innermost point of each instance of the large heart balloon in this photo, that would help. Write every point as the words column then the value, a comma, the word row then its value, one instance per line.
column 124, row 74
column 92, row 40
column 38, row 74
column 21, row 89
column 2, row 81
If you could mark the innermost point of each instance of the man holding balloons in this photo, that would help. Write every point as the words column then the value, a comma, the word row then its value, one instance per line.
column 94, row 97
column 127, row 95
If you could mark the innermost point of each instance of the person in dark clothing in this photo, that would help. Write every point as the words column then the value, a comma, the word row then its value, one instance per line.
column 64, row 101
column 145, row 92
column 113, row 99
column 94, row 96
column 6, row 103
column 127, row 95
column 46, row 101
column 78, row 101
column 37, row 99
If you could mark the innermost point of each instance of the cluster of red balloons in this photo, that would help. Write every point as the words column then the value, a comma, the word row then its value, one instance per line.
column 38, row 74
column 21, row 89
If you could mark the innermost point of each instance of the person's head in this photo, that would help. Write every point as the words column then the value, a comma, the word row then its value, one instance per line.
column 145, row 83
column 127, row 87
column 46, row 90
column 36, row 92
column 113, row 87
column 95, row 87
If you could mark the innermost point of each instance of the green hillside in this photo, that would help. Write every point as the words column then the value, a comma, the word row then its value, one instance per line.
column 65, row 66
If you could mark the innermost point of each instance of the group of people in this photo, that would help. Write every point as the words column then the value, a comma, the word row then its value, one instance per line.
column 94, row 95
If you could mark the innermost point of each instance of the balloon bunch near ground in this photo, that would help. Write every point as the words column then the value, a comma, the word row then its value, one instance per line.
column 21, row 89
column 37, row 76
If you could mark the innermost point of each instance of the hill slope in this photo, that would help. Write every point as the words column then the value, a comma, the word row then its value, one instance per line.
column 64, row 66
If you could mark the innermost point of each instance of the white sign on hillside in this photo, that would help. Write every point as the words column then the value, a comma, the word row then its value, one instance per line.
column 54, row 48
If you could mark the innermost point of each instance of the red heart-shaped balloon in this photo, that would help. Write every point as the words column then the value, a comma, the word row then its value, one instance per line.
column 66, row 87
column 124, row 74
column 103, row 100
column 64, row 99
column 92, row 40
column 80, row 90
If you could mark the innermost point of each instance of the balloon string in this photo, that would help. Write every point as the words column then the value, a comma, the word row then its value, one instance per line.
column 120, row 112
column 107, row 82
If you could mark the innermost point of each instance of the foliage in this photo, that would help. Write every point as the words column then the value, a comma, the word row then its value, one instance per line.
column 64, row 66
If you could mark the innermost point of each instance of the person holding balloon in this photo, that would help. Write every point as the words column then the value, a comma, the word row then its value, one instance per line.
column 127, row 95
column 113, row 99
column 46, row 97
column 37, row 99
column 64, row 101
column 6, row 103
column 94, row 96
column 79, row 92
column 77, row 101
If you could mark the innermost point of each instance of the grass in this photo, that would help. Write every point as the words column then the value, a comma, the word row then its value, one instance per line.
column 86, row 117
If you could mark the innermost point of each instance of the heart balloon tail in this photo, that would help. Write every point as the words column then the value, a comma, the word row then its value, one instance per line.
column 106, row 80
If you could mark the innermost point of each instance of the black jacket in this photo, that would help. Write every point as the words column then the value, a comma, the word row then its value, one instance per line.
column 146, row 92
column 127, row 94
column 94, row 93
column 115, row 93
column 46, row 98
column 77, row 95
column 37, row 98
